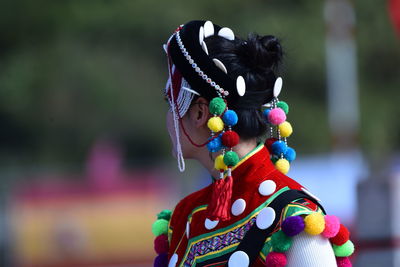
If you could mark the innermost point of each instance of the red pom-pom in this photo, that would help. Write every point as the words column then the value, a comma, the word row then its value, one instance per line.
column 269, row 143
column 342, row 236
column 343, row 262
column 230, row 139
column 275, row 259
column 161, row 244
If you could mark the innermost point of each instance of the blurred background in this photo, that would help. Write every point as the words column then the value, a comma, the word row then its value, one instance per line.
column 85, row 160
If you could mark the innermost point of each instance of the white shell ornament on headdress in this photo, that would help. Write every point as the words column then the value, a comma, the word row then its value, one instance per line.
column 278, row 86
column 240, row 85
column 220, row 65
column 208, row 29
column 204, row 46
column 201, row 35
column 226, row 33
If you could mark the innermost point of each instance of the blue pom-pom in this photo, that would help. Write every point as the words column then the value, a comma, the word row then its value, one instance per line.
column 279, row 147
column 215, row 145
column 230, row 118
column 266, row 112
column 290, row 154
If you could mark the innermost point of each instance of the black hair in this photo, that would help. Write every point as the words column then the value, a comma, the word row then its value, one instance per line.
column 258, row 60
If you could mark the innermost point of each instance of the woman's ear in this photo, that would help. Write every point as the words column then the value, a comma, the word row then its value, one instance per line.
column 199, row 113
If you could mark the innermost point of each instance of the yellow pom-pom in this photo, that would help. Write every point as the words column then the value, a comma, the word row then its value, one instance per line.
column 215, row 124
column 282, row 165
column 285, row 129
column 314, row 223
column 219, row 163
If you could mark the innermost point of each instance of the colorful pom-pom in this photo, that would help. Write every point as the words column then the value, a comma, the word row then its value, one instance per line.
column 342, row 236
column 282, row 165
column 285, row 129
column 266, row 113
column 314, row 223
column 343, row 262
column 279, row 147
column 161, row 260
column 161, row 244
column 284, row 106
column 269, row 142
column 215, row 144
column 217, row 106
column 230, row 139
column 276, row 116
column 275, row 259
column 344, row 250
column 164, row 214
column 160, row 227
column 280, row 241
column 332, row 226
column 215, row 124
column 274, row 159
column 293, row 225
column 231, row 158
column 219, row 163
column 230, row 117
column 290, row 154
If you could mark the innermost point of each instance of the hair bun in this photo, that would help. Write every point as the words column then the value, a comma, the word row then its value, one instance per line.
column 261, row 52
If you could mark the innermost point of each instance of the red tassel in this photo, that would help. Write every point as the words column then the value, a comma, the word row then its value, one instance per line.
column 219, row 207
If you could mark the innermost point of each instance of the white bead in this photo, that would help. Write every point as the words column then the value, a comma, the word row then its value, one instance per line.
column 173, row 260
column 278, row 86
column 204, row 46
column 208, row 29
column 267, row 187
column 310, row 194
column 210, row 224
column 201, row 35
column 239, row 259
column 265, row 218
column 240, row 85
column 165, row 46
column 238, row 206
column 220, row 65
column 226, row 33
column 187, row 229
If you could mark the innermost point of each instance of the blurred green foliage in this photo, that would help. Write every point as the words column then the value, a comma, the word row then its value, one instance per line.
column 74, row 71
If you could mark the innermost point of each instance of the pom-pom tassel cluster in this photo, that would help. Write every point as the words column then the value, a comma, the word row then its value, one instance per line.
column 222, row 138
column 280, row 129
column 313, row 224
column 160, row 231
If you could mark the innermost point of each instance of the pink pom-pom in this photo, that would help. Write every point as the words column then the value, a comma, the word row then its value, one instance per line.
column 161, row 244
column 276, row 116
column 343, row 262
column 275, row 259
column 332, row 226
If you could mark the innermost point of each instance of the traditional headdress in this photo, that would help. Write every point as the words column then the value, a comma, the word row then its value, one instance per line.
column 193, row 72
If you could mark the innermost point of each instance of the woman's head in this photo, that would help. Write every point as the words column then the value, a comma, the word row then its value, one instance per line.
column 205, row 64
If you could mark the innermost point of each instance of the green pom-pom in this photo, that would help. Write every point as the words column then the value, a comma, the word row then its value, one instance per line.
column 217, row 106
column 164, row 214
column 231, row 158
column 283, row 105
column 274, row 159
column 280, row 242
column 160, row 227
column 344, row 250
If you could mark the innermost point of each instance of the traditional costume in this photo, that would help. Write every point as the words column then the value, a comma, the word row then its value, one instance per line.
column 253, row 215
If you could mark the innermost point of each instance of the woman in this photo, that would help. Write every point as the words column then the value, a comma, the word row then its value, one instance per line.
column 251, row 214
